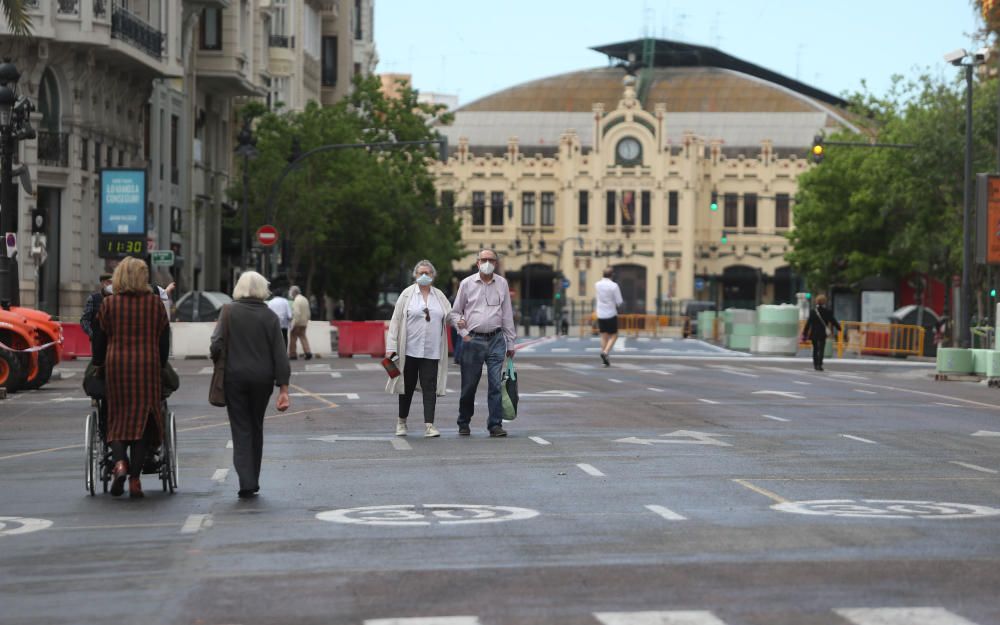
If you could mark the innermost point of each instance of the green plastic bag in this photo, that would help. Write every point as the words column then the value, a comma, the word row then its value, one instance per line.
column 508, row 390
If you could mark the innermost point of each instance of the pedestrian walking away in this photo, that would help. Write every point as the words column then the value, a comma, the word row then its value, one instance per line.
column 301, row 315
column 132, row 343
column 280, row 306
column 484, row 317
column 820, row 325
column 417, row 335
column 256, row 362
column 607, row 302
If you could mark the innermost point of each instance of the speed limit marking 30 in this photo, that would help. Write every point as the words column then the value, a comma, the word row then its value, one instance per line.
column 404, row 515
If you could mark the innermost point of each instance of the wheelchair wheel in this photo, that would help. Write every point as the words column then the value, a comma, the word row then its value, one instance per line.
column 168, row 466
column 91, row 445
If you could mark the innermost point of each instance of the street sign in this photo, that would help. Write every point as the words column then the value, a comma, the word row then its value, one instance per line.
column 162, row 258
column 565, row 283
column 699, row 284
column 267, row 235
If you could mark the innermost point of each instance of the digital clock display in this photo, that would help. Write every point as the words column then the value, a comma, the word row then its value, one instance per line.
column 121, row 246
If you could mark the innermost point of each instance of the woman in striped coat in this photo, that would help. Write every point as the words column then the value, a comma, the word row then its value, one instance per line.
column 132, row 341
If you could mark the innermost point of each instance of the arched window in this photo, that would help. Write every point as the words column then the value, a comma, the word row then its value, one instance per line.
column 48, row 102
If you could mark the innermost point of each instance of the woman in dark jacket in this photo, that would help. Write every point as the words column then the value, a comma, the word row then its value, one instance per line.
column 132, row 340
column 256, row 362
column 821, row 320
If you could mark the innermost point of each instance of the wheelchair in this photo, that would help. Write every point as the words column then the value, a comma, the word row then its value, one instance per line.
column 163, row 462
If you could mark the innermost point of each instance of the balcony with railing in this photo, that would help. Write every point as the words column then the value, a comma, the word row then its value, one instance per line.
column 132, row 29
column 101, row 9
column 53, row 148
column 281, row 41
column 68, row 7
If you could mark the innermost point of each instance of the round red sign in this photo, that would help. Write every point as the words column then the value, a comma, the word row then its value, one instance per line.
column 267, row 235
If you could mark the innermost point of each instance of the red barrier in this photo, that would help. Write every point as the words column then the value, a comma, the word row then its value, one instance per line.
column 360, row 337
column 879, row 344
column 76, row 343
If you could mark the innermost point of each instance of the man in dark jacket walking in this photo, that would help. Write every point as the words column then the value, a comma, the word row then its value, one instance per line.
column 93, row 304
column 821, row 324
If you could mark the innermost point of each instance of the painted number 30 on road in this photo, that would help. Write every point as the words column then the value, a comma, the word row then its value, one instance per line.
column 887, row 509
column 426, row 514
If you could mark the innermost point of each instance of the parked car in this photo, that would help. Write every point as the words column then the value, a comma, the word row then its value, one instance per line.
column 201, row 305
column 690, row 310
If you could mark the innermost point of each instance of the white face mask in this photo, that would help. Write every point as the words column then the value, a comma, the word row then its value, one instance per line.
column 486, row 268
column 107, row 289
column 424, row 280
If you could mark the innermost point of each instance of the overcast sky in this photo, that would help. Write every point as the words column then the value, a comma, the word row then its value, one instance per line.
column 472, row 48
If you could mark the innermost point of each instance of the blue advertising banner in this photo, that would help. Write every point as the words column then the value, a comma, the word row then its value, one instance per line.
column 123, row 202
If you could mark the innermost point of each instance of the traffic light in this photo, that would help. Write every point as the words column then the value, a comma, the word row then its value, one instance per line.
column 818, row 149
column 809, row 295
column 715, row 201
column 725, row 237
column 993, row 292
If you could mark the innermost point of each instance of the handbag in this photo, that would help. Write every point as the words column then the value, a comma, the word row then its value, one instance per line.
column 508, row 390
column 216, row 388
column 93, row 381
column 169, row 380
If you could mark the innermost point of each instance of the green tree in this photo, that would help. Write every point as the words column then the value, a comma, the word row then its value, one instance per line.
column 890, row 212
column 17, row 17
column 355, row 219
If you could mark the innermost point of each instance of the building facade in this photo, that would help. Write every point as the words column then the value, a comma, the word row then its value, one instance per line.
column 684, row 182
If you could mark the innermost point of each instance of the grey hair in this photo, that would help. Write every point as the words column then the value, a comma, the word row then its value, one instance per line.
column 251, row 285
column 293, row 291
column 425, row 263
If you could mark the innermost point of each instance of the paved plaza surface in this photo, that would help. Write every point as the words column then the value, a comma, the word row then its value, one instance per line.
column 697, row 488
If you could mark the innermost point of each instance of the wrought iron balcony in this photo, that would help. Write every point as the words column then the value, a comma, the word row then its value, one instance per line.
column 100, row 8
column 68, row 7
column 131, row 29
column 280, row 41
column 53, row 148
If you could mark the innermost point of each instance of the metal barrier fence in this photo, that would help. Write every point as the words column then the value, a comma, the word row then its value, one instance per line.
column 636, row 325
column 883, row 339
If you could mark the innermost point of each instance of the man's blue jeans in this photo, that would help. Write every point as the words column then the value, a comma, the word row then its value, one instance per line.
column 492, row 350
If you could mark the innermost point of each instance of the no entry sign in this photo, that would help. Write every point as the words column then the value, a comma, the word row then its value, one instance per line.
column 267, row 235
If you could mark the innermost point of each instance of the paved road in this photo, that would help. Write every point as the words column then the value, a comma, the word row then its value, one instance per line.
column 659, row 491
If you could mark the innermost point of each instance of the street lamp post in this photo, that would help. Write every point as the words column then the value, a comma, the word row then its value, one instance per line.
column 247, row 149
column 15, row 125
column 961, row 58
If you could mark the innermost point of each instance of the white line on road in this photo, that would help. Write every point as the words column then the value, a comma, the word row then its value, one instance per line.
column 614, row 380
column 590, row 470
column 345, row 395
column 974, row 467
column 666, row 513
column 801, row 382
column 773, row 418
column 707, row 401
column 667, row 617
column 654, row 389
column 539, row 440
column 229, row 444
column 946, row 405
column 559, row 349
column 848, row 375
column 196, row 522
column 400, row 445
column 425, row 620
column 858, row 438
column 656, row 371
column 902, row 616
column 861, row 390
column 220, row 475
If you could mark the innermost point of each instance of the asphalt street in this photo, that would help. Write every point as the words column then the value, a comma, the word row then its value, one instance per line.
column 687, row 486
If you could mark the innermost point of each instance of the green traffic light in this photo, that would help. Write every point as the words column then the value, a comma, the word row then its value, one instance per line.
column 724, row 239
column 993, row 292
column 715, row 201
column 809, row 295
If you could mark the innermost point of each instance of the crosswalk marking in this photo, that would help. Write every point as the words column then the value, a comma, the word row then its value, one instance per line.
column 426, row 620
column 590, row 469
column 539, row 440
column 902, row 616
column 773, row 418
column 666, row 513
column 668, row 617
column 859, row 439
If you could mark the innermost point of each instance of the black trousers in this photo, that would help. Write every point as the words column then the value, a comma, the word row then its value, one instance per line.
column 246, row 403
column 427, row 370
column 819, row 348
column 137, row 449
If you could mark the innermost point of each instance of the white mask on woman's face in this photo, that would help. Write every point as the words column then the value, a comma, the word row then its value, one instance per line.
column 486, row 268
column 424, row 280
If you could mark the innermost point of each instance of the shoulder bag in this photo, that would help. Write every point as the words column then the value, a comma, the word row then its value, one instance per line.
column 216, row 389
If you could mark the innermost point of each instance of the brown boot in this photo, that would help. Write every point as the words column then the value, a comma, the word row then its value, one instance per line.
column 118, row 476
column 135, row 488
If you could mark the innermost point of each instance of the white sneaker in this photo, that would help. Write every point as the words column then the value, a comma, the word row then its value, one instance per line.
column 401, row 427
column 430, row 431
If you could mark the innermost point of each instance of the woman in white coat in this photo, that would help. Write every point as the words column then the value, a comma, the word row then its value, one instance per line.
column 418, row 334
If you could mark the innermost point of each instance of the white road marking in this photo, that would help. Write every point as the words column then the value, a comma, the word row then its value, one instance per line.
column 220, row 475
column 788, row 394
column 368, row 366
column 10, row 525
column 654, row 389
column 425, row 620
column 656, row 371
column 848, row 375
column 344, row 395
column 902, row 616
column 559, row 349
column 986, row 433
column 539, row 440
column 707, row 401
column 554, row 393
column 620, row 345
column 318, row 367
column 614, row 380
column 666, row 513
column 590, row 470
column 693, row 438
column 400, row 444
column 196, row 522
column 60, row 400
column 801, row 382
column 974, row 467
column 404, row 515
column 527, row 366
column 668, row 617
column 858, row 438
column 773, row 418
column 229, row 444
column 206, row 371
column 946, row 405
column 739, row 373
column 866, row 392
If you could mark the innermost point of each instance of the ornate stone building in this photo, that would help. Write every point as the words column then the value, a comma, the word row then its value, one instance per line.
column 567, row 175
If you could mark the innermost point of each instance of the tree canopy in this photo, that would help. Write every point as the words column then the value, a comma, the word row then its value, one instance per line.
column 353, row 221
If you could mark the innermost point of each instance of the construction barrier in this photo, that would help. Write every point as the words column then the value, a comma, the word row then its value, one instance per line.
column 192, row 339
column 636, row 325
column 360, row 337
column 76, row 343
column 777, row 330
column 884, row 339
column 954, row 361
